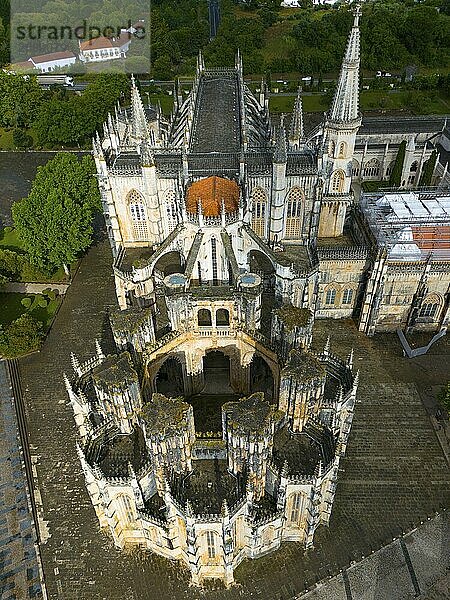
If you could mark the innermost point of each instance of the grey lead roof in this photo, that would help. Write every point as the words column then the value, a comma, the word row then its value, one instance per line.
column 372, row 125
column 217, row 126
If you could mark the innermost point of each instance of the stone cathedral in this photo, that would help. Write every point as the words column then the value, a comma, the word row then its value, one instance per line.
column 215, row 433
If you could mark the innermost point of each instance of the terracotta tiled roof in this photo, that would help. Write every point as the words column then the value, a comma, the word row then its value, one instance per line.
column 43, row 58
column 211, row 191
column 98, row 43
column 432, row 237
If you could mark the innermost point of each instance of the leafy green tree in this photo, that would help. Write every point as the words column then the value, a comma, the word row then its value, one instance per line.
column 55, row 221
column 20, row 100
column 395, row 178
column 11, row 264
column 23, row 335
column 21, row 139
column 428, row 170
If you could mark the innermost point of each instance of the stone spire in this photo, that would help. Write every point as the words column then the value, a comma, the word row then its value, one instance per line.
column 345, row 105
column 280, row 154
column 296, row 129
column 138, row 119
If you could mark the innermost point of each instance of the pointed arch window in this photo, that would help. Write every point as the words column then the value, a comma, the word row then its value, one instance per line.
column 331, row 149
column 431, row 307
column 296, row 507
column 138, row 215
column 211, row 543
column 330, row 296
column 126, row 508
column 342, row 150
column 259, row 211
column 337, row 182
column 171, row 211
column 347, row 296
column 295, row 203
column 372, row 168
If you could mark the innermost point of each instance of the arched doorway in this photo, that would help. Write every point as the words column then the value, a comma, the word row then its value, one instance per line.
column 169, row 380
column 261, row 378
column 216, row 372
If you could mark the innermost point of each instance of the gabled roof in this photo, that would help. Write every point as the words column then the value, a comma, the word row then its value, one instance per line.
column 44, row 58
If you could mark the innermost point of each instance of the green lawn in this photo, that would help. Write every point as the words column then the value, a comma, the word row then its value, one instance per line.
column 11, row 308
column 419, row 103
column 165, row 100
column 431, row 102
column 6, row 141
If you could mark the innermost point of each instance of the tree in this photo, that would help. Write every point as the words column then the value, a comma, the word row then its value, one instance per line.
column 20, row 100
column 11, row 264
column 396, row 174
column 428, row 170
column 21, row 139
column 23, row 335
column 55, row 221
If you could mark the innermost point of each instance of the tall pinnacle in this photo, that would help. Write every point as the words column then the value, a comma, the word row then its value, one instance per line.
column 296, row 128
column 138, row 118
column 345, row 105
column 280, row 153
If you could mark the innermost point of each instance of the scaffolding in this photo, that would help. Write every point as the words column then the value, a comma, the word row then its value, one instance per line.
column 411, row 225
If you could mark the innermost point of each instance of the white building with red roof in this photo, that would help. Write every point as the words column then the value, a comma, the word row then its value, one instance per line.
column 46, row 63
column 102, row 48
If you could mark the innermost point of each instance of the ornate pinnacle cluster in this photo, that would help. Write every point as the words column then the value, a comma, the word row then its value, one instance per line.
column 138, row 118
column 345, row 105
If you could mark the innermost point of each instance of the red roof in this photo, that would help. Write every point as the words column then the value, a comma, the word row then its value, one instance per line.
column 43, row 58
column 211, row 192
column 97, row 43
column 101, row 43
column 432, row 237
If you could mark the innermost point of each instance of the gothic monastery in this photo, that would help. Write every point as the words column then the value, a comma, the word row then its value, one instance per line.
column 214, row 433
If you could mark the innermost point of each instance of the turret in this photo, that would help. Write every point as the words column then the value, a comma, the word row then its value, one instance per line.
column 341, row 126
column 117, row 387
column 248, row 427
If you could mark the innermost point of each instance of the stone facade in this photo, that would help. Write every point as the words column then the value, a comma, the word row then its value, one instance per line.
column 214, row 433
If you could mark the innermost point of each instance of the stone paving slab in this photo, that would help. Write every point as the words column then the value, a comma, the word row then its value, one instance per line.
column 393, row 476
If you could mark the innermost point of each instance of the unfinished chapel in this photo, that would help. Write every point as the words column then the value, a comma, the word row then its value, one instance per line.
column 215, row 433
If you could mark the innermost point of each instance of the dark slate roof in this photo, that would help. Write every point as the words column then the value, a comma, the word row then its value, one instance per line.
column 378, row 125
column 298, row 164
column 217, row 121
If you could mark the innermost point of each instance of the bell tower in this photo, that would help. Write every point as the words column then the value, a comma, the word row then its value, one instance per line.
column 341, row 126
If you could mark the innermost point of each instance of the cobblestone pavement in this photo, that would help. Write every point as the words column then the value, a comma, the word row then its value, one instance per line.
column 394, row 475
column 19, row 571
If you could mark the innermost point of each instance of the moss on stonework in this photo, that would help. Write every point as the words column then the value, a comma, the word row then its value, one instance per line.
column 303, row 366
column 130, row 319
column 116, row 371
column 166, row 416
column 252, row 414
column 292, row 316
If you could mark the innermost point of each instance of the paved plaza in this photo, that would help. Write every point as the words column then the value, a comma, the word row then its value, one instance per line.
column 394, row 474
